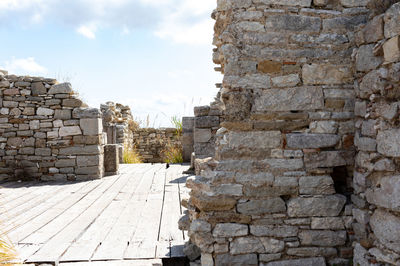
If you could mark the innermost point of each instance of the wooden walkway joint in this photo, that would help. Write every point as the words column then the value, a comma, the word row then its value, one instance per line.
column 126, row 219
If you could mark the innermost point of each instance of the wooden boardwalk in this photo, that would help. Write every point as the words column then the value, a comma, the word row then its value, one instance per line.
column 127, row 219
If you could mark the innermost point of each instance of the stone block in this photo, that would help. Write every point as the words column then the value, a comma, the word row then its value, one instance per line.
column 327, row 223
column 237, row 260
column 202, row 135
column 253, row 81
column 292, row 99
column 286, row 81
column 269, row 66
column 89, row 160
column 69, row 131
column 246, row 245
column 111, row 159
column 38, row 89
column 391, row 50
column 44, row 111
column 72, row 103
column 79, row 113
column 274, row 230
column 330, row 205
column 366, row 60
column 81, row 150
column 65, row 163
column 254, row 139
column 354, row 3
column 271, row 205
column 91, row 170
column 324, row 127
column 373, row 31
column 61, row 88
column 201, row 110
column 387, row 195
column 312, row 252
column 206, row 121
column 311, row 141
column 230, row 230
column 323, row 74
column 373, row 82
column 323, row 238
column 63, row 114
column 319, row 261
column 392, row 21
column 302, row 3
column 325, row 159
column 43, row 151
column 386, row 227
column 343, row 24
column 91, row 126
column 389, row 142
column 294, row 23
column 316, row 185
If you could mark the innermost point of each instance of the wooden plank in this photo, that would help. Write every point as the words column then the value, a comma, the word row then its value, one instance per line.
column 40, row 209
column 83, row 248
column 53, row 249
column 32, row 193
column 114, row 245
column 151, row 262
column 144, row 241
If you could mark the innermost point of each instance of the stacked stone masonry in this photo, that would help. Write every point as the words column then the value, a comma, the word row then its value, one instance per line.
column 310, row 95
column 376, row 196
column 46, row 132
column 150, row 143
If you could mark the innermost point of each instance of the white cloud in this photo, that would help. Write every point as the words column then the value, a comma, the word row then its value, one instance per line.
column 24, row 66
column 182, row 21
column 87, row 31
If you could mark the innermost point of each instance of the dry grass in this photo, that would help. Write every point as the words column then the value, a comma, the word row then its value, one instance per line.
column 172, row 154
column 131, row 156
column 7, row 251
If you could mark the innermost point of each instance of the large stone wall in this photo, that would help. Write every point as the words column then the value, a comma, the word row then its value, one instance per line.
column 377, row 175
column 151, row 142
column 279, row 188
column 46, row 132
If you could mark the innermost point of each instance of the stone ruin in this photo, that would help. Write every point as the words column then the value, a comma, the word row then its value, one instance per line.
column 306, row 169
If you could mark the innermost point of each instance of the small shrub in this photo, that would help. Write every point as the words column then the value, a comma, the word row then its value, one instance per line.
column 172, row 154
column 131, row 156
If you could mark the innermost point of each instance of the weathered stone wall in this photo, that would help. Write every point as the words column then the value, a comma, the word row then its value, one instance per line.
column 278, row 189
column 150, row 142
column 206, row 123
column 376, row 196
column 187, row 138
column 46, row 132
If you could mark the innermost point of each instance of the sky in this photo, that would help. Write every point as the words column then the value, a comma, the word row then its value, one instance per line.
column 153, row 55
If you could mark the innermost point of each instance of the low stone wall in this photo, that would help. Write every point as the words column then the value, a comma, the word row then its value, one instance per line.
column 377, row 176
column 150, row 142
column 46, row 132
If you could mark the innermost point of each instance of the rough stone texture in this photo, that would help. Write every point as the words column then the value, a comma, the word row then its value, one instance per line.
column 111, row 160
column 309, row 121
column 39, row 134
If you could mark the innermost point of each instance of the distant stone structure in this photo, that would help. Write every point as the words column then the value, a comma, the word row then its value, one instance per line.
column 306, row 163
column 46, row 132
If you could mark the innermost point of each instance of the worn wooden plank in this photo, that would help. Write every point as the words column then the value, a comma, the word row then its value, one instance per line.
column 32, row 193
column 117, row 240
column 35, row 211
column 83, row 248
column 151, row 262
column 53, row 249
column 144, row 240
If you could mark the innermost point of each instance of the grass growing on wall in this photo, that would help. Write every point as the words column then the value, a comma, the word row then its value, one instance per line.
column 177, row 122
column 131, row 156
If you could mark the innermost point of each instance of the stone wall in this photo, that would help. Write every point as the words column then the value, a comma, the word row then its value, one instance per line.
column 46, row 132
column 278, row 190
column 377, row 175
column 187, row 138
column 150, row 142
